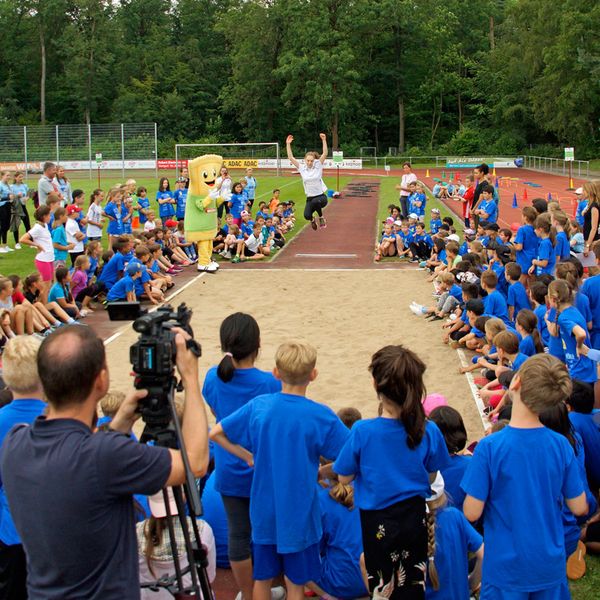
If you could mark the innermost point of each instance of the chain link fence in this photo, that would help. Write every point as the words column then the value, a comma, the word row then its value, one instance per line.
column 112, row 146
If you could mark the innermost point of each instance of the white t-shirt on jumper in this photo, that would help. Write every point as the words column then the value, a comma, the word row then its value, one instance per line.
column 312, row 178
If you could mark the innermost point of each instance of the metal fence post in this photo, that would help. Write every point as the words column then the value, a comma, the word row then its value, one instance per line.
column 25, row 152
column 90, row 149
column 122, row 151
column 156, row 151
column 57, row 147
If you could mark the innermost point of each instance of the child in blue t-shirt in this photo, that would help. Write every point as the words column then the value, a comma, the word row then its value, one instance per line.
column 402, row 449
column 526, row 242
column 124, row 289
column 452, row 539
column 180, row 196
column 251, row 185
column 571, row 327
column 526, row 325
column 545, row 261
column 516, row 479
column 494, row 303
column 142, row 205
column 537, row 294
column 435, row 222
column 165, row 199
column 112, row 211
column 283, row 435
column 582, row 204
column 488, row 208
column 59, row 238
column 562, row 246
column 517, row 298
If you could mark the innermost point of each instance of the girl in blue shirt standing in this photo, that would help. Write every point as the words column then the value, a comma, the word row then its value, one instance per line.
column 401, row 449
column 166, row 201
column 570, row 325
column 562, row 248
column 526, row 241
column 113, row 212
column 545, row 261
column 226, row 388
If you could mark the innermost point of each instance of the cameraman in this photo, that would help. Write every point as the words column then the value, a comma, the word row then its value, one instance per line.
column 70, row 490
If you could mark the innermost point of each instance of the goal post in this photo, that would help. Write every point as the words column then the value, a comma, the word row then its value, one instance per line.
column 261, row 155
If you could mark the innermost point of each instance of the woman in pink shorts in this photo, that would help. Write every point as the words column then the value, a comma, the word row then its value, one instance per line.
column 39, row 237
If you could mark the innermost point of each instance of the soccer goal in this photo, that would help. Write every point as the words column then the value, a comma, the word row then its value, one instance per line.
column 236, row 157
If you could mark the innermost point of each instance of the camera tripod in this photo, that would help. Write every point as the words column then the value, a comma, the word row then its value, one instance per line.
column 163, row 428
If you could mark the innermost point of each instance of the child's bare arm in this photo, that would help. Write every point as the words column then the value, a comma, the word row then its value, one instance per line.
column 473, row 508
column 218, row 435
column 578, row 506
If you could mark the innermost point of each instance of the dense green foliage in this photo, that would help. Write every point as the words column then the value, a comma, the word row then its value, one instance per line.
column 448, row 75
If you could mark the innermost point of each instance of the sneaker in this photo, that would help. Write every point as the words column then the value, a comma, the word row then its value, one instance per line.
column 83, row 313
column 313, row 224
column 423, row 264
column 17, row 246
column 278, row 593
column 235, row 260
column 8, row 249
column 322, row 222
column 3, row 250
column 226, row 255
column 207, row 268
column 418, row 309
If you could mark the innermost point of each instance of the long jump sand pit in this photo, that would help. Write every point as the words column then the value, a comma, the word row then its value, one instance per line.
column 346, row 314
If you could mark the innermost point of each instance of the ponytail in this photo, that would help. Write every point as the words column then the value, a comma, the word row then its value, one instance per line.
column 432, row 571
column 398, row 374
column 240, row 339
column 343, row 494
column 528, row 320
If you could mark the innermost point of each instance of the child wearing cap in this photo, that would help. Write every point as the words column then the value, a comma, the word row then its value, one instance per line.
column 435, row 222
column 283, row 435
column 582, row 203
column 124, row 289
column 74, row 234
column 517, row 479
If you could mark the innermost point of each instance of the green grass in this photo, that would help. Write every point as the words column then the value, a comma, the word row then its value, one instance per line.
column 21, row 262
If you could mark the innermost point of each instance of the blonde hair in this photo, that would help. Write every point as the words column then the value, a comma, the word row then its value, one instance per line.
column 19, row 364
column 446, row 278
column 553, row 207
column 545, row 382
column 563, row 220
column 111, row 403
column 493, row 327
column 342, row 494
column 295, row 361
column 114, row 191
column 433, row 506
column 591, row 189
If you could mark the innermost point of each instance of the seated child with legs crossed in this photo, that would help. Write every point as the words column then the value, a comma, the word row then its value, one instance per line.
column 475, row 338
column 450, row 298
column 283, row 435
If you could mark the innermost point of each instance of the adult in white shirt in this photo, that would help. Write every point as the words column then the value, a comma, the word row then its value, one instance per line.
column 223, row 187
column 74, row 235
column 407, row 178
column 311, row 172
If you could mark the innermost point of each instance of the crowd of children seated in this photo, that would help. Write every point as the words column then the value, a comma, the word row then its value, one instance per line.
column 146, row 245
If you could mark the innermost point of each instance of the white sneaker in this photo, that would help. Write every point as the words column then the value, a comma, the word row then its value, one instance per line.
column 3, row 250
column 214, row 264
column 278, row 593
column 83, row 313
column 210, row 268
column 226, row 255
column 17, row 246
column 418, row 310
column 8, row 249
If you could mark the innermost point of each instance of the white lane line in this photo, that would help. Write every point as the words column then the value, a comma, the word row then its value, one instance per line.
column 300, row 255
column 474, row 390
column 121, row 331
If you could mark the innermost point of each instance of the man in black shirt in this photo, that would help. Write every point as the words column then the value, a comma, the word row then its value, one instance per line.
column 479, row 173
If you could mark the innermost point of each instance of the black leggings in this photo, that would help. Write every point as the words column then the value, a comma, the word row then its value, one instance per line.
column 237, row 510
column 223, row 208
column 420, row 250
column 4, row 222
column 315, row 204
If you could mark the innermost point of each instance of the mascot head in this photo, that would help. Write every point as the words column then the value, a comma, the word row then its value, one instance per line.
column 204, row 171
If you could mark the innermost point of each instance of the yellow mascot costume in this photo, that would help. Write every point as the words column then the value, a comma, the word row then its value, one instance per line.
column 201, row 222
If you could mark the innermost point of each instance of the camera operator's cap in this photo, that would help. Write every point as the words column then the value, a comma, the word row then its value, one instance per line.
column 73, row 208
column 158, row 508
column 579, row 191
column 133, row 268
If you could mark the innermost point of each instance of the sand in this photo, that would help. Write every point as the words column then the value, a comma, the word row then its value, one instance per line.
column 347, row 315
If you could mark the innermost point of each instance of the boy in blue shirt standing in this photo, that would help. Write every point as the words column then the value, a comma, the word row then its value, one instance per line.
column 488, row 209
column 283, row 436
column 517, row 479
column 517, row 294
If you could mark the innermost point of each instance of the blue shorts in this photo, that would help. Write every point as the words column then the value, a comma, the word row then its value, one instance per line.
column 299, row 567
column 559, row 592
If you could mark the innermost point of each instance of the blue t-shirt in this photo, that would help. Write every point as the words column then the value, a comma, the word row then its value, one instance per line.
column 111, row 270
column 59, row 236
column 455, row 538
column 167, row 209
column 23, row 410
column 287, row 435
column 591, row 288
column 341, row 547
column 453, row 475
column 527, row 346
column 589, row 431
column 247, row 228
column 413, row 199
column 407, row 238
column 521, row 475
column 518, row 361
column 120, row 289
column 238, row 204
column 114, row 227
column 517, row 297
column 88, row 480
column 580, row 367
column 555, row 343
column 546, row 252
column 250, row 187
column 582, row 304
column 377, row 451
column 540, row 313
column 213, row 512
column 562, row 248
column 530, row 241
column 581, row 206
column 456, row 292
column 181, row 198
column 145, row 204
column 58, row 291
column 233, row 477
column 495, row 305
column 435, row 225
column 491, row 209
column 127, row 225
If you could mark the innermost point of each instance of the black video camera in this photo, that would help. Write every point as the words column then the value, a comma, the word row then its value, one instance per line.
column 153, row 360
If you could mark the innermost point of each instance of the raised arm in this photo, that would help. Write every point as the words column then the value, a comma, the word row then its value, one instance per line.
column 324, row 152
column 288, row 147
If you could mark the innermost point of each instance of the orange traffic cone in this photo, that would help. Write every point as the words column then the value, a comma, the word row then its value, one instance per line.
column 525, row 195
column 427, row 173
column 494, row 172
